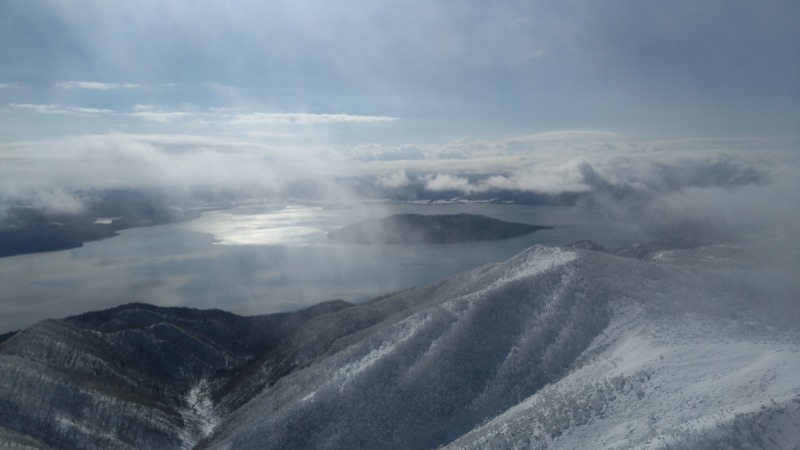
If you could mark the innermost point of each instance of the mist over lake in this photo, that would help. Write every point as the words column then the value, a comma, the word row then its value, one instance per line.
column 266, row 258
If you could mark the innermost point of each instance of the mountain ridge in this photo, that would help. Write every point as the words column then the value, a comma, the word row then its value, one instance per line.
column 471, row 361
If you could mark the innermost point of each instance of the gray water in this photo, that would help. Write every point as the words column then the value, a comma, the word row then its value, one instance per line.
column 267, row 258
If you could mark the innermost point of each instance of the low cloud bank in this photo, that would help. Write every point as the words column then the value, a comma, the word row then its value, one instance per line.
column 722, row 187
column 704, row 191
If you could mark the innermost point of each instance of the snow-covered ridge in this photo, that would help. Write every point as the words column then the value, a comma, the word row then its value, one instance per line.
column 658, row 383
column 554, row 348
column 532, row 262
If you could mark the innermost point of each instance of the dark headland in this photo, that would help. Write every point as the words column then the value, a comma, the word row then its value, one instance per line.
column 26, row 228
column 431, row 229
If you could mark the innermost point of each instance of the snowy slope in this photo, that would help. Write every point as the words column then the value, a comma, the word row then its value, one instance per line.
column 699, row 354
column 554, row 348
column 131, row 377
column 663, row 382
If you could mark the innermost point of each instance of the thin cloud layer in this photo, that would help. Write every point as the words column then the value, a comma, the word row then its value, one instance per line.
column 152, row 161
column 95, row 85
column 222, row 116
column 305, row 119
column 54, row 108
column 622, row 175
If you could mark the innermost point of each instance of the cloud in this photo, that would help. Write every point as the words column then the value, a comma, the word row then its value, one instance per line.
column 575, row 176
column 467, row 147
column 394, row 181
column 304, row 119
column 447, row 182
column 723, row 213
column 54, row 108
column 160, row 160
column 569, row 136
column 376, row 152
column 96, row 86
column 685, row 197
column 210, row 115
column 557, row 144
column 622, row 175
column 49, row 200
column 675, row 189
column 568, row 177
column 162, row 116
column 56, row 200
column 615, row 176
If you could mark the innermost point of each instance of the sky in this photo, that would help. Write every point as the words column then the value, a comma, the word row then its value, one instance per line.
column 148, row 92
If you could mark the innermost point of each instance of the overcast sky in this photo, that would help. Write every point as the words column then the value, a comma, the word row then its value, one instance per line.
column 90, row 85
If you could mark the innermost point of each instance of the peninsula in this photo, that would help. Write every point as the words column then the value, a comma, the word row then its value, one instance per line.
column 431, row 229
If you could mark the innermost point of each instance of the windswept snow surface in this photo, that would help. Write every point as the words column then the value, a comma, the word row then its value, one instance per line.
column 555, row 348
column 456, row 352
column 667, row 382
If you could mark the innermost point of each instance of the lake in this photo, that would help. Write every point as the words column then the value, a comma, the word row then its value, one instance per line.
column 266, row 258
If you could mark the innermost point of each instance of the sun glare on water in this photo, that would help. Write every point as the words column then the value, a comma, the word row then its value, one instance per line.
column 289, row 225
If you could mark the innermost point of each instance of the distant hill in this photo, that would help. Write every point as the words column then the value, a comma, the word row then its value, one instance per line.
column 431, row 229
column 29, row 229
